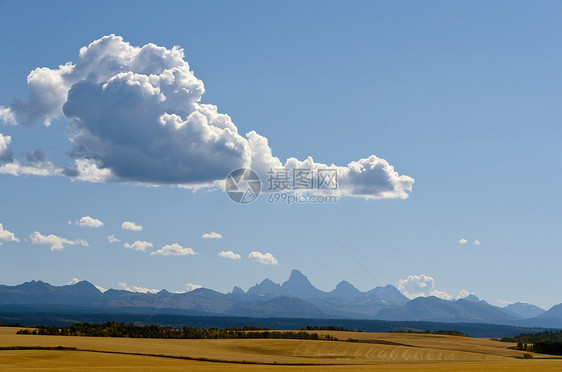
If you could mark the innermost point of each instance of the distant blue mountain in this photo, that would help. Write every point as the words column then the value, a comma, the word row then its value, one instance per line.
column 296, row 297
column 299, row 286
column 524, row 310
column 438, row 310
column 265, row 288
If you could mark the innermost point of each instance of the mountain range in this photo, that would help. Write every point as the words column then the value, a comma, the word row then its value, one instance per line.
column 295, row 298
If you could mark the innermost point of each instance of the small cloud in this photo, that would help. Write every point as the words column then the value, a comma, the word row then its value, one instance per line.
column 134, row 288
column 463, row 293
column 264, row 258
column 56, row 243
column 88, row 221
column 7, row 236
column 101, row 289
column 76, row 280
column 174, row 250
column 477, row 242
column 129, row 225
column 191, row 287
column 441, row 294
column 112, row 239
column 504, row 302
column 138, row 245
column 7, row 116
column 212, row 235
column 230, row 255
column 463, row 241
column 421, row 286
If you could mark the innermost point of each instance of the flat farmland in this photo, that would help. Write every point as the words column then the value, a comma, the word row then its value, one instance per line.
column 385, row 351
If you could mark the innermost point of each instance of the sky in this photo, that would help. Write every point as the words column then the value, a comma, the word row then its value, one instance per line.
column 442, row 119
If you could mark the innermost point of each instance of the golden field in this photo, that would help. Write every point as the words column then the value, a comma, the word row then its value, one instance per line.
column 377, row 351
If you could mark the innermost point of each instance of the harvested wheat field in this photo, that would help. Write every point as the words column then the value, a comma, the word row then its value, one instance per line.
column 382, row 351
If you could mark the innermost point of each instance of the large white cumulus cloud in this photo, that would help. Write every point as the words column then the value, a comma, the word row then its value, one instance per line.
column 423, row 286
column 420, row 286
column 136, row 115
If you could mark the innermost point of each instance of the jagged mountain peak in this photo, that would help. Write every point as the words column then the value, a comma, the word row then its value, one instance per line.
column 266, row 287
column 471, row 297
column 34, row 282
column 83, row 287
column 297, row 275
column 34, row 285
column 524, row 310
column 299, row 286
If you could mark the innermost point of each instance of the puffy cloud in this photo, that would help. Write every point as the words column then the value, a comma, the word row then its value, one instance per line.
column 420, row 286
column 100, row 288
column 463, row 293
column 128, row 225
column 7, row 236
column 47, row 90
column 477, row 242
column 34, row 164
column 7, row 116
column 88, row 221
column 191, row 287
column 76, row 280
column 138, row 245
column 174, row 250
column 229, row 254
column 138, row 114
column 134, row 288
column 264, row 258
column 462, row 241
column 112, row 239
column 504, row 303
column 212, row 235
column 56, row 243
column 6, row 153
column 135, row 115
column 370, row 178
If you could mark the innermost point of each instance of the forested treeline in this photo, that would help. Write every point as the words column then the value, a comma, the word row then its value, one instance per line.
column 547, row 342
column 532, row 338
column 326, row 328
column 9, row 324
column 114, row 329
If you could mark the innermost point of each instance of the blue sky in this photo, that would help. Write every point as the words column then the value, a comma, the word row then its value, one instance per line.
column 473, row 117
